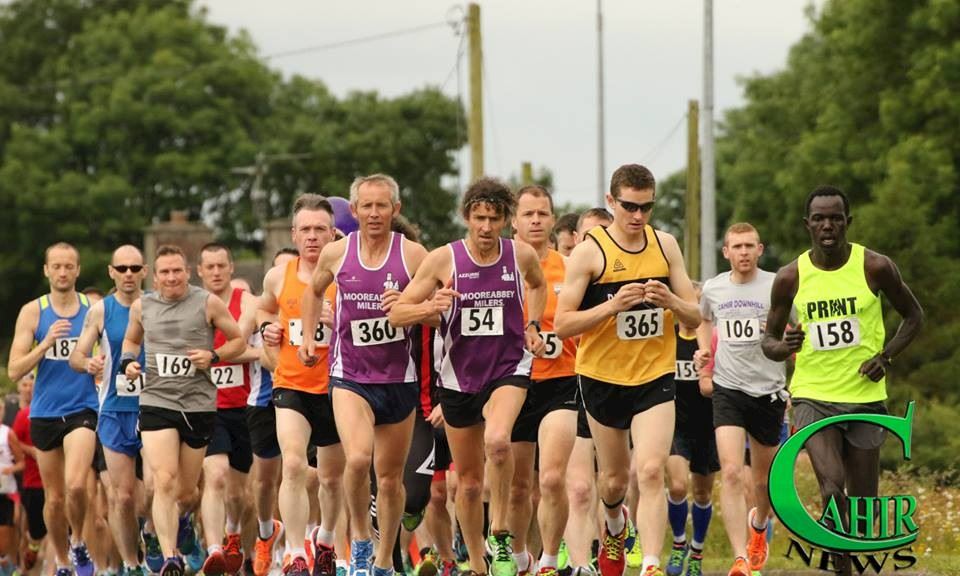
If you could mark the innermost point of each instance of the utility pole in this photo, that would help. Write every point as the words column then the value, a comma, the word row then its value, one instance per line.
column 526, row 173
column 601, row 154
column 708, row 224
column 476, row 92
column 691, row 220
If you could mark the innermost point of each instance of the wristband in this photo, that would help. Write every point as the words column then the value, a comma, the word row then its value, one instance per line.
column 263, row 327
column 534, row 323
column 214, row 357
column 126, row 359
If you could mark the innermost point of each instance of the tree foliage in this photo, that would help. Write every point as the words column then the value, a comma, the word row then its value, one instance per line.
column 114, row 112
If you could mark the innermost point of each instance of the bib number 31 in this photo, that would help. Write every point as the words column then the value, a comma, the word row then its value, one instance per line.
column 640, row 324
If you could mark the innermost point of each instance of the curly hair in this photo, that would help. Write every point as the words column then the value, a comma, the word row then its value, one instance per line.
column 491, row 192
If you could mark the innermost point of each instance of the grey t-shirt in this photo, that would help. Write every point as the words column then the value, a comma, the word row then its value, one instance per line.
column 171, row 328
column 739, row 314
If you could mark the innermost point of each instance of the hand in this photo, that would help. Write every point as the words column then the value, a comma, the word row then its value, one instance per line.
column 659, row 294
column 326, row 315
column 793, row 338
column 58, row 329
column 272, row 334
column 628, row 296
column 436, row 416
column 388, row 299
column 7, row 470
column 308, row 353
column 95, row 364
column 444, row 297
column 534, row 342
column 874, row 368
column 201, row 359
column 133, row 371
column 706, row 386
column 701, row 358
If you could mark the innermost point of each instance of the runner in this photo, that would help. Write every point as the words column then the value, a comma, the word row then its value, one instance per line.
column 477, row 286
column 11, row 462
column 229, row 455
column 749, row 399
column 548, row 419
column 106, row 323
column 175, row 326
column 373, row 377
column 834, row 289
column 303, row 409
column 31, row 489
column 590, row 219
column 262, row 422
column 566, row 230
column 622, row 291
column 64, row 410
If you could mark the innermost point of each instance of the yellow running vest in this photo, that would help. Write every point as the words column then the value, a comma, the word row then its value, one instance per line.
column 637, row 346
column 843, row 322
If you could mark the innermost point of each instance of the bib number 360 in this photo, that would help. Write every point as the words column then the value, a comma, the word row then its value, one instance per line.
column 835, row 334
column 640, row 324
column 172, row 365
column 481, row 322
column 374, row 331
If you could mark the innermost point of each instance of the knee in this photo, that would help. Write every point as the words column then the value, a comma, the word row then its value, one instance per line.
column 438, row 494
column 497, row 447
column 124, row 500
column 186, row 496
column 552, row 483
column 470, row 489
column 651, row 474
column 580, row 493
column 359, row 463
column 701, row 495
column 733, row 477
column 164, row 482
column 389, row 484
column 77, row 493
column 613, row 483
column 677, row 489
column 294, row 468
column 330, row 483
column 215, row 481
column 520, row 490
column 54, row 500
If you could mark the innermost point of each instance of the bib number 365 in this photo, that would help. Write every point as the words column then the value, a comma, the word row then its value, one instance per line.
column 640, row 324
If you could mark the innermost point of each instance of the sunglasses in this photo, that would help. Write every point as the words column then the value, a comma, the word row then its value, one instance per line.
column 122, row 268
column 632, row 207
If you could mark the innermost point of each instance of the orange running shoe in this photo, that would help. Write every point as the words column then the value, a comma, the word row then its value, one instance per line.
column 263, row 550
column 757, row 547
column 233, row 553
column 740, row 568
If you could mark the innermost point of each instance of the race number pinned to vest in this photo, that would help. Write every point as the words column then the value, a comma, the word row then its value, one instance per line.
column 553, row 346
column 295, row 333
column 835, row 334
column 640, row 324
column 175, row 365
column 229, row 376
column 62, row 349
column 374, row 331
column 486, row 321
column 126, row 387
column 740, row 329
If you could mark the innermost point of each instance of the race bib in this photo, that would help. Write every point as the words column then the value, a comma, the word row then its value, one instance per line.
column 227, row 376
column 62, row 349
column 686, row 371
column 126, row 387
column 554, row 345
column 640, row 324
column 295, row 333
column 740, row 329
column 835, row 334
column 481, row 321
column 374, row 331
column 175, row 365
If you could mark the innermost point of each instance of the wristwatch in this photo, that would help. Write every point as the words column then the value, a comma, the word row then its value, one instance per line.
column 534, row 323
column 214, row 357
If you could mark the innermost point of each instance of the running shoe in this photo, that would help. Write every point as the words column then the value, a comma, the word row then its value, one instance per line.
column 757, row 547
column 172, row 567
column 152, row 555
column 653, row 571
column 325, row 560
column 82, row 563
column 63, row 572
column 410, row 522
column 678, row 554
column 429, row 563
column 188, row 544
column 215, row 564
column 263, row 550
column 547, row 571
column 233, row 553
column 563, row 556
column 297, row 566
column 361, row 558
column 695, row 564
column 449, row 568
column 740, row 568
column 611, row 559
column 31, row 555
column 503, row 563
column 632, row 545
column 135, row 571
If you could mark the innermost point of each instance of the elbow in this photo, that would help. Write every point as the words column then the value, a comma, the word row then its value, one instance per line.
column 561, row 328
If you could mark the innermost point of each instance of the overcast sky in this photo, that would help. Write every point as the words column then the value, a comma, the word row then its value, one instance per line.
column 540, row 68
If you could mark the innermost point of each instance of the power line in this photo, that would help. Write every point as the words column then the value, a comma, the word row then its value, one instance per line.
column 355, row 41
column 656, row 150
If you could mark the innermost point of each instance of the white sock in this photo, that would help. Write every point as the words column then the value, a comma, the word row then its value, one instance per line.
column 753, row 522
column 548, row 560
column 310, row 527
column 214, row 548
column 325, row 536
column 681, row 539
column 233, row 527
column 522, row 559
column 266, row 528
column 615, row 525
column 696, row 545
column 297, row 551
column 650, row 561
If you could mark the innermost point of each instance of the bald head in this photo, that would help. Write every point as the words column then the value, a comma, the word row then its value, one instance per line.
column 127, row 270
column 125, row 253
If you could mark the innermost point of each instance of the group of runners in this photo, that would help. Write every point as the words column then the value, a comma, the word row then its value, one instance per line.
column 551, row 384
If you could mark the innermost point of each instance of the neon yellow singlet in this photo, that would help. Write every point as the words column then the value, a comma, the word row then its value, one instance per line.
column 843, row 322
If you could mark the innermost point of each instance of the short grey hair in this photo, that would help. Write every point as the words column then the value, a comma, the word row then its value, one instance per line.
column 384, row 179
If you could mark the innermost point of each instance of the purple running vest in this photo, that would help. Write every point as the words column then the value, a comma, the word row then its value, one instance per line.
column 482, row 333
column 364, row 347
